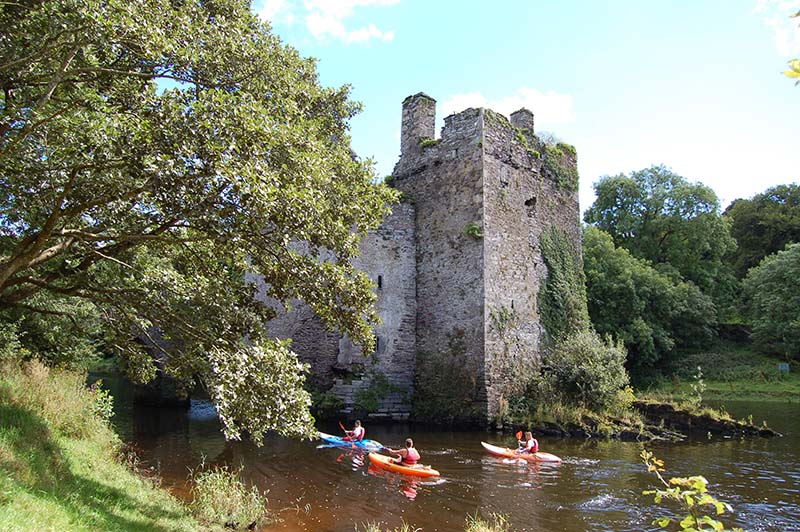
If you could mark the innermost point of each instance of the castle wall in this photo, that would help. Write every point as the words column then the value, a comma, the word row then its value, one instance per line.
column 444, row 180
column 521, row 200
column 387, row 255
column 312, row 342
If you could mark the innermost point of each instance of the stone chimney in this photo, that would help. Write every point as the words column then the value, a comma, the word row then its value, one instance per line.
column 522, row 119
column 419, row 121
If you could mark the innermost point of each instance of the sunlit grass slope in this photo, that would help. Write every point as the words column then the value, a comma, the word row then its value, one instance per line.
column 59, row 462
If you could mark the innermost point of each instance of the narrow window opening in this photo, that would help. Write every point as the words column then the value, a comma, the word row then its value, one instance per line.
column 377, row 343
column 380, row 282
column 530, row 206
column 512, row 304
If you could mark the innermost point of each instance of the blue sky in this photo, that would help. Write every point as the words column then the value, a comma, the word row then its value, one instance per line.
column 693, row 84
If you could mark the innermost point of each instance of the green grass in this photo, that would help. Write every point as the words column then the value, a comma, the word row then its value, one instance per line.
column 220, row 496
column 60, row 466
column 497, row 523
column 474, row 523
column 731, row 372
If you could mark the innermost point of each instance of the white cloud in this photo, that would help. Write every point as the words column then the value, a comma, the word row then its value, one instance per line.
column 785, row 30
column 276, row 11
column 326, row 18
column 548, row 107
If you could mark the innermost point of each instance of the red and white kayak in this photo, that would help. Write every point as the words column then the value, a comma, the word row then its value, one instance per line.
column 505, row 452
column 387, row 463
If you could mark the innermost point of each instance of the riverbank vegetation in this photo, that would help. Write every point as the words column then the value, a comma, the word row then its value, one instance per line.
column 63, row 468
column 729, row 371
column 60, row 462
column 683, row 285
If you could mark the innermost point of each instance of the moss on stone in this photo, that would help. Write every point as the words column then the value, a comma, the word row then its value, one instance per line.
column 427, row 142
column 559, row 167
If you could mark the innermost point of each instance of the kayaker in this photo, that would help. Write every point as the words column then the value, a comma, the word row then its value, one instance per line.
column 408, row 456
column 357, row 434
column 529, row 444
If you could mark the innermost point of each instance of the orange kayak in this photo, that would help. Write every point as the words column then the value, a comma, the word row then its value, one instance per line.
column 387, row 463
column 511, row 453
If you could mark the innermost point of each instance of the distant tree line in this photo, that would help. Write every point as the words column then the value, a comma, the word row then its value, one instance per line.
column 665, row 267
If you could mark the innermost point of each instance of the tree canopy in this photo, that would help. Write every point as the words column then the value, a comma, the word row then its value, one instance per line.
column 763, row 225
column 153, row 155
column 659, row 216
column 771, row 299
column 651, row 312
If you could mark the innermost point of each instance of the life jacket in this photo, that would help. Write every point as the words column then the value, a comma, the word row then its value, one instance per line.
column 411, row 457
column 358, row 433
column 532, row 446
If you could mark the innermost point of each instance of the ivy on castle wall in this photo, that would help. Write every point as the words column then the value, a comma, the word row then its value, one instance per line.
column 562, row 298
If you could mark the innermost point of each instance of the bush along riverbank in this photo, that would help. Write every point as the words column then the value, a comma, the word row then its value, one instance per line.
column 62, row 469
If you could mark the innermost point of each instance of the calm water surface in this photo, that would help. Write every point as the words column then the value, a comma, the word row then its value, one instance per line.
column 597, row 487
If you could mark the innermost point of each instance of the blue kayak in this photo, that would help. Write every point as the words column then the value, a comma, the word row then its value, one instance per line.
column 367, row 445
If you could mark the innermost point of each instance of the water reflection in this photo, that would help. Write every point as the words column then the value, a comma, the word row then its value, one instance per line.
column 404, row 484
column 598, row 486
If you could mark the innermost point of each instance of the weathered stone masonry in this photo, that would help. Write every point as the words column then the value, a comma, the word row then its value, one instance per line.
column 458, row 269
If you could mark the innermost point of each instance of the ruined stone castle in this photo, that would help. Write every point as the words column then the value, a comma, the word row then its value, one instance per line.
column 457, row 269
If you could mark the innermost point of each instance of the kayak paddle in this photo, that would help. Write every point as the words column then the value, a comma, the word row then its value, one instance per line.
column 518, row 435
column 344, row 429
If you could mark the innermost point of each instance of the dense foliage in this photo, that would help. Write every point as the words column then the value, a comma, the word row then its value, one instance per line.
column 659, row 216
column 651, row 312
column 157, row 158
column 771, row 299
column 586, row 370
column 763, row 225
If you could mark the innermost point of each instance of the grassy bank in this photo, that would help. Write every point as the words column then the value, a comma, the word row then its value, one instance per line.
column 59, row 462
column 730, row 372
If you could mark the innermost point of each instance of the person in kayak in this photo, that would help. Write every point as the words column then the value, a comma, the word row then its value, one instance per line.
column 529, row 445
column 357, row 434
column 408, row 456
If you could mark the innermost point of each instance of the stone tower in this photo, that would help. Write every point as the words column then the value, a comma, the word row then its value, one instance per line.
column 457, row 269
column 483, row 194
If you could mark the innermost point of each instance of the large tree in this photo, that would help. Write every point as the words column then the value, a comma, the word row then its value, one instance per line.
column 653, row 313
column 661, row 217
column 154, row 155
column 771, row 299
column 763, row 225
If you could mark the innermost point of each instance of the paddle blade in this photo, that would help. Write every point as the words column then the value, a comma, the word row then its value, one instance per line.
column 344, row 429
column 518, row 435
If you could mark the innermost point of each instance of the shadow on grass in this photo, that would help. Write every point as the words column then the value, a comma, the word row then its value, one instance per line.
column 39, row 466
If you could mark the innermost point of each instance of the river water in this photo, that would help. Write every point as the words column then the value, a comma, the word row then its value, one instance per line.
column 597, row 487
